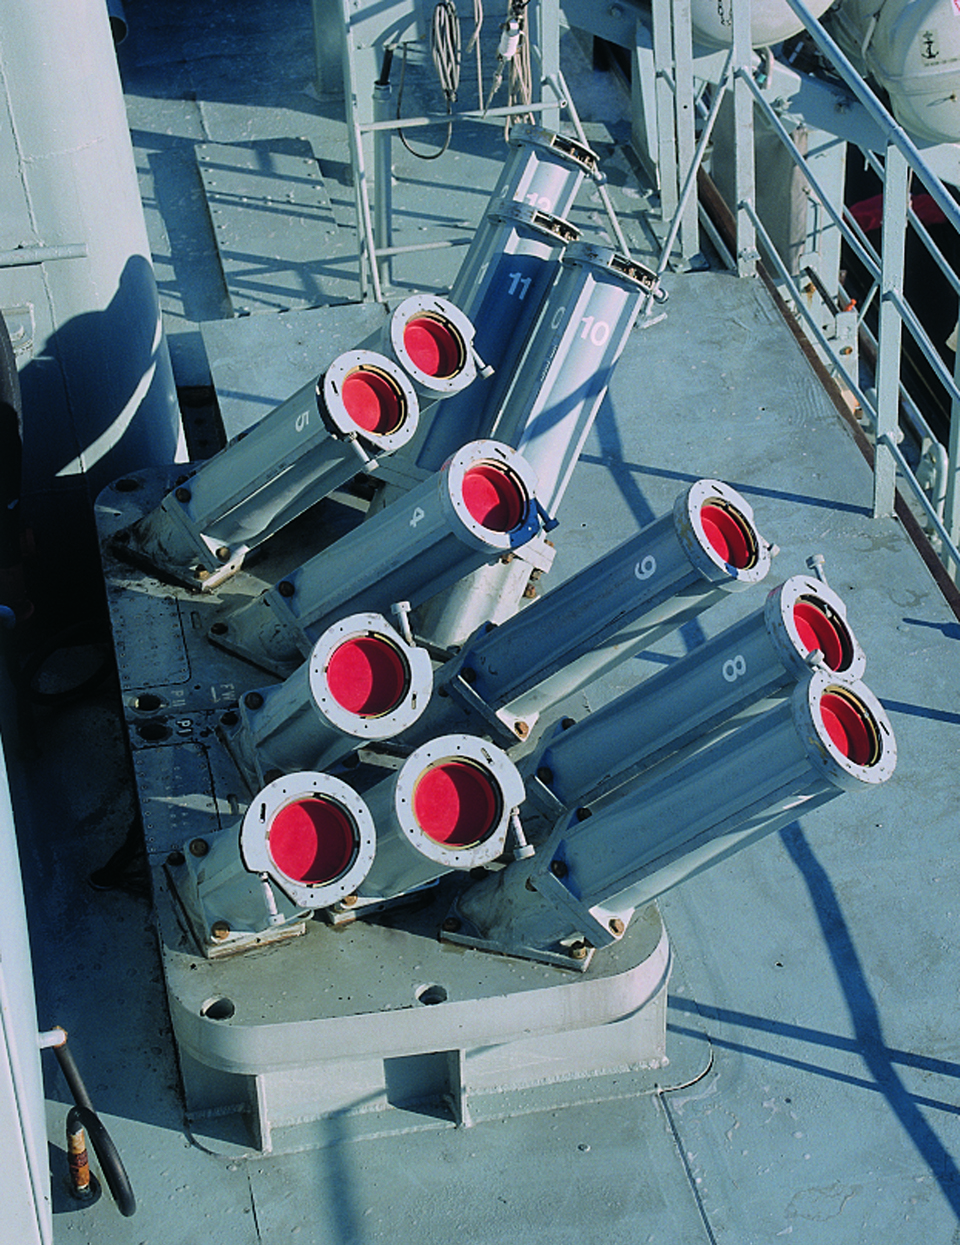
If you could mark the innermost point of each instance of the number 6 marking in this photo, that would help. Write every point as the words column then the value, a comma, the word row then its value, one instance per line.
column 645, row 567
column 735, row 668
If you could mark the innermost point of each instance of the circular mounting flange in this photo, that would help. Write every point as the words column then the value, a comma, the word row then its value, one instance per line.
column 432, row 340
column 365, row 394
column 803, row 615
column 715, row 526
column 366, row 679
column 453, row 799
column 312, row 834
column 490, row 489
column 846, row 730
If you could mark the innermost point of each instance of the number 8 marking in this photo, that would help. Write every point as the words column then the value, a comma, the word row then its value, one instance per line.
column 735, row 668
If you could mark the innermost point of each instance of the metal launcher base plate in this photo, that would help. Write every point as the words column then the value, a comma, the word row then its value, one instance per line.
column 369, row 1029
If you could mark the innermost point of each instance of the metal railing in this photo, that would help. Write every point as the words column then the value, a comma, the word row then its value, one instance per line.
column 888, row 410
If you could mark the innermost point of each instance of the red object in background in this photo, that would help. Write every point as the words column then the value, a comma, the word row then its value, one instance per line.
column 868, row 213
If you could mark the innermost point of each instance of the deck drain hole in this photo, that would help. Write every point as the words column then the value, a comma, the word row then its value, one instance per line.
column 147, row 702
column 153, row 732
column 218, row 1008
column 431, row 994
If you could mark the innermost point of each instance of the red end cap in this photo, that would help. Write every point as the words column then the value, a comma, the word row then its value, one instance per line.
column 372, row 401
column 433, row 346
column 818, row 629
column 849, row 727
column 729, row 534
column 494, row 497
column 456, row 803
column 312, row 841
column 367, row 676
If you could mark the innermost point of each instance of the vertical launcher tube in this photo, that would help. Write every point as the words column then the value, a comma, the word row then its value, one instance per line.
column 566, row 368
column 448, row 808
column 266, row 477
column 362, row 682
column 479, row 507
column 552, row 401
column 501, row 286
column 645, row 588
column 682, row 816
column 739, row 670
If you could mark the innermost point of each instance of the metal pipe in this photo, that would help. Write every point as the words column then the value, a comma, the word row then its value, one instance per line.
column 26, row 255
column 560, row 87
column 382, row 182
column 470, row 114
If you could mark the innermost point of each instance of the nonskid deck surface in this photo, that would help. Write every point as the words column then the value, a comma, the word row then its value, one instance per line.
column 811, row 1092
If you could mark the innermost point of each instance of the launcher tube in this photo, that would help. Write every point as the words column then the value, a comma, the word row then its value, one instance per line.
column 501, row 286
column 448, row 808
column 671, row 571
column 362, row 682
column 566, row 368
column 741, row 669
column 265, row 478
column 684, row 815
column 477, row 508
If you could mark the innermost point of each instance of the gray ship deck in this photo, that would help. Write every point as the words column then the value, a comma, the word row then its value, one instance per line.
column 812, row 1090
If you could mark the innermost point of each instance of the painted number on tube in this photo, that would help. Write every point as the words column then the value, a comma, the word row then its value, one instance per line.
column 596, row 331
column 734, row 668
column 517, row 279
column 417, row 515
column 646, row 567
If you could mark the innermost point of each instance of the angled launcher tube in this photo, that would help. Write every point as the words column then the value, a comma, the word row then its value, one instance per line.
column 306, row 841
column 570, row 356
column 362, row 682
column 364, row 404
column 549, row 408
column 645, row 588
column 544, row 169
column 479, row 507
column 501, row 286
column 449, row 807
column 679, row 817
column 740, row 670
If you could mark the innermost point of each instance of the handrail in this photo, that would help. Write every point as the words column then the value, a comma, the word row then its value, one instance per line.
column 895, row 158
